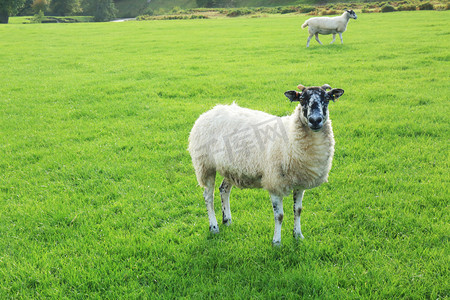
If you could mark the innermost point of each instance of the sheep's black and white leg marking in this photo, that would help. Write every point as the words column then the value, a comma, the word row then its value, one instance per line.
column 225, row 189
column 340, row 35
column 298, row 197
column 208, row 194
column 317, row 38
column 277, row 204
column 334, row 38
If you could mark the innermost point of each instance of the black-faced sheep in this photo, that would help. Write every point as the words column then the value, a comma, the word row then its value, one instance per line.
column 253, row 149
column 327, row 25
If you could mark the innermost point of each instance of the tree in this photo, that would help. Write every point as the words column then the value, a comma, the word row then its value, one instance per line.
column 9, row 8
column 106, row 11
column 204, row 3
column 26, row 10
column 39, row 6
column 102, row 10
column 215, row 3
column 65, row 7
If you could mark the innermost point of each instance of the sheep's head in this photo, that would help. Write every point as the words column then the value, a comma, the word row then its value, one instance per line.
column 352, row 14
column 314, row 101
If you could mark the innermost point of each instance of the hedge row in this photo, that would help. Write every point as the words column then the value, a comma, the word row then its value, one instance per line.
column 331, row 9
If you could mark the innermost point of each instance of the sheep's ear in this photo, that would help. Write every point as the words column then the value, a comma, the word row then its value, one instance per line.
column 326, row 87
column 335, row 93
column 301, row 87
column 293, row 95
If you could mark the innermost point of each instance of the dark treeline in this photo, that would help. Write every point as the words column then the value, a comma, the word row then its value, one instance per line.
column 102, row 10
column 216, row 3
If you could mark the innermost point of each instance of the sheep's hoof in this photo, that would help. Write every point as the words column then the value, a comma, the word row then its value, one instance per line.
column 298, row 236
column 226, row 222
column 276, row 243
column 214, row 229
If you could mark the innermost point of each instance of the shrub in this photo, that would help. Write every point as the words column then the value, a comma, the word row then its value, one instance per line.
column 368, row 11
column 172, row 17
column 328, row 12
column 372, row 5
column 159, row 12
column 306, row 9
column 198, row 17
column 268, row 10
column 406, row 7
column 175, row 10
column 288, row 10
column 149, row 12
column 387, row 8
column 426, row 6
column 143, row 17
column 38, row 18
column 238, row 12
column 442, row 6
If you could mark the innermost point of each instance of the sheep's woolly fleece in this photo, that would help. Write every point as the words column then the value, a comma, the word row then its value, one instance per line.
column 253, row 149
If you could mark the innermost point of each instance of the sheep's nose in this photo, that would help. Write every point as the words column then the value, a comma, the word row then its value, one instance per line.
column 315, row 121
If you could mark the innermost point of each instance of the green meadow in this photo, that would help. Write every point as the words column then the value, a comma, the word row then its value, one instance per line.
column 98, row 196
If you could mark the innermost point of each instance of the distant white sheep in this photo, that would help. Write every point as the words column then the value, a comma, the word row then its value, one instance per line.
column 253, row 149
column 327, row 25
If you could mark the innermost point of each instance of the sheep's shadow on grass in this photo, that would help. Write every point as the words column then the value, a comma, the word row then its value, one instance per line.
column 251, row 262
column 328, row 48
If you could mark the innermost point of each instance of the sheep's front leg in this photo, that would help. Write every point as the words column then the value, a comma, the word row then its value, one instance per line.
column 225, row 189
column 277, row 204
column 298, row 197
column 208, row 194
column 340, row 35
column 317, row 38
column 334, row 38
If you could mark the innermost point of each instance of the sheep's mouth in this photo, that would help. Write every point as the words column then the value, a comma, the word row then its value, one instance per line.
column 315, row 128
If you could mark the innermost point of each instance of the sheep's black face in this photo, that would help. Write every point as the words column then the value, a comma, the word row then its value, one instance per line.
column 314, row 102
column 315, row 107
column 352, row 14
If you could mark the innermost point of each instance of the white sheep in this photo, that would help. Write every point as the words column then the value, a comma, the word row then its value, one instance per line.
column 253, row 149
column 327, row 25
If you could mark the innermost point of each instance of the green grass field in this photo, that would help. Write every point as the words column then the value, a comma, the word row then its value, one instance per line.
column 98, row 197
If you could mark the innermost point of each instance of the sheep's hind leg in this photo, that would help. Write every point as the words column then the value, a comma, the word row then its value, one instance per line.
column 225, row 189
column 334, row 38
column 277, row 204
column 298, row 197
column 309, row 38
column 317, row 38
column 208, row 194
